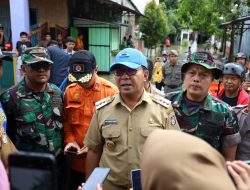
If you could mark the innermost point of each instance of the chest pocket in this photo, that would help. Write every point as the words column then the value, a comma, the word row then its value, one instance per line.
column 145, row 131
column 177, row 73
column 168, row 72
column 112, row 137
column 211, row 131
column 26, row 126
column 73, row 114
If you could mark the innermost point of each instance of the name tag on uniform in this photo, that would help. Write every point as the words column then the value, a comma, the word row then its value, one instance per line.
column 110, row 122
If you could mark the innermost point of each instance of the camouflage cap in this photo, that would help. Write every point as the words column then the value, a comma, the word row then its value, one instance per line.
column 35, row 55
column 173, row 52
column 204, row 59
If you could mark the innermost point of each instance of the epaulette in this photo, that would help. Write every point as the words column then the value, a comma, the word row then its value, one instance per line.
column 239, row 108
column 160, row 100
column 104, row 102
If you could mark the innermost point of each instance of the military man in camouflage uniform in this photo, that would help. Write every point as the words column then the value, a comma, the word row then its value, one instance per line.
column 33, row 107
column 202, row 115
column 172, row 73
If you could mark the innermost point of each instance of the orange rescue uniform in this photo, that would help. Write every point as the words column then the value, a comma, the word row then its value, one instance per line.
column 213, row 89
column 79, row 106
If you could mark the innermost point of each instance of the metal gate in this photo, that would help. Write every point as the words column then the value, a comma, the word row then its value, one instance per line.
column 102, row 40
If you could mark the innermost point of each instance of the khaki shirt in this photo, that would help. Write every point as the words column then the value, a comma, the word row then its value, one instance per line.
column 153, row 90
column 121, row 132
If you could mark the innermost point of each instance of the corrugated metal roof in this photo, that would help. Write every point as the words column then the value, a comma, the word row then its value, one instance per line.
column 127, row 5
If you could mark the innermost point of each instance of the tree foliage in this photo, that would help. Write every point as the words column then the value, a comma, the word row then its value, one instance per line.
column 154, row 24
column 206, row 15
column 170, row 9
column 170, row 4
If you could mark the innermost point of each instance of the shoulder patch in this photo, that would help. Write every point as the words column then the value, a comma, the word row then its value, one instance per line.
column 160, row 100
column 104, row 102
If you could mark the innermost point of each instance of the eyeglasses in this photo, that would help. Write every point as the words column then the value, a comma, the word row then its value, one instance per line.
column 38, row 66
column 120, row 72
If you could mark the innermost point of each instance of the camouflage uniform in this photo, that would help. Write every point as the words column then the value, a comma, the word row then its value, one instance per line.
column 213, row 121
column 34, row 118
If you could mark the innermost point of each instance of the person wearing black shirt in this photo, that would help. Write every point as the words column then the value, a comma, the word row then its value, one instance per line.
column 23, row 43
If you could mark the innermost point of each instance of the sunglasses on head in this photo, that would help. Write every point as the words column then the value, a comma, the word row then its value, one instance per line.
column 41, row 65
column 121, row 71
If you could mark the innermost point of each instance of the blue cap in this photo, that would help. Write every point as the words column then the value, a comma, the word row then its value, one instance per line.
column 131, row 58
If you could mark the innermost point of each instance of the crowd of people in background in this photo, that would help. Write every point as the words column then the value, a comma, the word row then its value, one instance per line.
column 192, row 136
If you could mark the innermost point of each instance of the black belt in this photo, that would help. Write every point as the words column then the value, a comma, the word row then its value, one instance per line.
column 173, row 86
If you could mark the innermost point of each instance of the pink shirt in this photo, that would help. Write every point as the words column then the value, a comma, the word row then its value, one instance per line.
column 4, row 182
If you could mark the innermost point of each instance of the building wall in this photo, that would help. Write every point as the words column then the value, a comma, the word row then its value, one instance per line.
column 4, row 2
column 51, row 11
column 5, row 19
column 245, row 44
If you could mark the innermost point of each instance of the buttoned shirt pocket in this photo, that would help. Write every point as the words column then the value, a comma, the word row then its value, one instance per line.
column 178, row 76
column 145, row 131
column 26, row 126
column 168, row 75
column 73, row 114
column 112, row 137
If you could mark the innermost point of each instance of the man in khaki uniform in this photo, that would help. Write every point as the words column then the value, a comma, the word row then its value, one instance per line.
column 121, row 123
column 172, row 73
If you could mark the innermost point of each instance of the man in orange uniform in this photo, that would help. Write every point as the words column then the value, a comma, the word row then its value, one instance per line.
column 80, row 97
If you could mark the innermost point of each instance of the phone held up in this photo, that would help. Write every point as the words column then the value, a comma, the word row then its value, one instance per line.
column 98, row 176
column 28, row 171
column 71, row 151
column 136, row 179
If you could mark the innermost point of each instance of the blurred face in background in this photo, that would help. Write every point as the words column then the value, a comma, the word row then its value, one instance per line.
column 173, row 59
column 24, row 38
column 70, row 46
column 241, row 60
column 231, row 83
column 48, row 37
column 59, row 37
